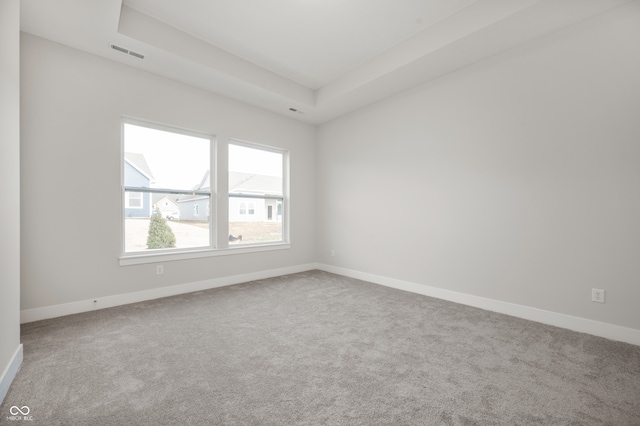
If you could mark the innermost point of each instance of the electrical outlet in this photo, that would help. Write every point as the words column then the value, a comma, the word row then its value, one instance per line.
column 333, row 253
column 597, row 295
column 159, row 269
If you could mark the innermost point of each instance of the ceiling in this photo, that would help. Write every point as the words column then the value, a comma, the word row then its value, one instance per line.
column 312, row 60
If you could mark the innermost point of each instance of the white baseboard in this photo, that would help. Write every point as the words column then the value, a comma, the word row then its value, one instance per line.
column 582, row 325
column 54, row 311
column 10, row 372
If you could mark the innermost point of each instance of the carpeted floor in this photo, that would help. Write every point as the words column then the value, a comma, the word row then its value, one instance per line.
column 318, row 349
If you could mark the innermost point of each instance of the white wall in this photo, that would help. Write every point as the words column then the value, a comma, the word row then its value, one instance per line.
column 10, row 190
column 516, row 179
column 72, row 103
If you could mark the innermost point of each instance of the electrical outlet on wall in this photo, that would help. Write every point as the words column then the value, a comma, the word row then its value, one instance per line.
column 159, row 269
column 597, row 295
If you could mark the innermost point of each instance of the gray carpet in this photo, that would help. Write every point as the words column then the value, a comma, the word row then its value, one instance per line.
column 314, row 349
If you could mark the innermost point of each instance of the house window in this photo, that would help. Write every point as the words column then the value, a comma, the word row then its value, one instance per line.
column 159, row 161
column 257, row 180
column 133, row 200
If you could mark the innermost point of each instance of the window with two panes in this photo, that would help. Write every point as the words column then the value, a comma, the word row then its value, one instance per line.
column 161, row 163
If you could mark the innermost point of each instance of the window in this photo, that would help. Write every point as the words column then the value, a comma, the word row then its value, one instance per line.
column 134, row 200
column 160, row 162
column 170, row 204
column 256, row 184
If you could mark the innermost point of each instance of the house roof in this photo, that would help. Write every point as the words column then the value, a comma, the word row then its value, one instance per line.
column 138, row 162
column 155, row 197
column 202, row 186
column 248, row 183
column 242, row 183
column 204, row 182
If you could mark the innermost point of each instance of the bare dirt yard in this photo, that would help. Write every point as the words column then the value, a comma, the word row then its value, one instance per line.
column 196, row 234
column 256, row 232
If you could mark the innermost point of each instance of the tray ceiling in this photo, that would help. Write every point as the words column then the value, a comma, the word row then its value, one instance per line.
column 309, row 59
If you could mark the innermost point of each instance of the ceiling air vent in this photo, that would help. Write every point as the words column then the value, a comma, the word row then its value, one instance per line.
column 127, row 51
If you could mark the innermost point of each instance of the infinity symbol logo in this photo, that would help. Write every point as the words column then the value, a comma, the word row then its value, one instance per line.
column 15, row 410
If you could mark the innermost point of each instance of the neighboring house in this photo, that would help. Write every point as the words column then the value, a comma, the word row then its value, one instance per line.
column 254, row 209
column 196, row 207
column 167, row 205
column 137, row 173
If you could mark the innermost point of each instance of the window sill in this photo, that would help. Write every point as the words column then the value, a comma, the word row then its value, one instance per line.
column 141, row 257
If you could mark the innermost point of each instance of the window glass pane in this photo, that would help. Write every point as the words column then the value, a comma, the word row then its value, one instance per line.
column 257, row 174
column 134, row 200
column 163, row 160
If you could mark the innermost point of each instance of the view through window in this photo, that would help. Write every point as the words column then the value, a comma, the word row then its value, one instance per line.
column 256, row 194
column 166, row 189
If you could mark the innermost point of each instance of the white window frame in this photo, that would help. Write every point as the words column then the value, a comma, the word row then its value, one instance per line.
column 142, row 256
column 219, row 220
column 285, row 192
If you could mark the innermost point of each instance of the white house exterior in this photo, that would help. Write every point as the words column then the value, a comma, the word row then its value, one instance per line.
column 167, row 205
column 254, row 209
